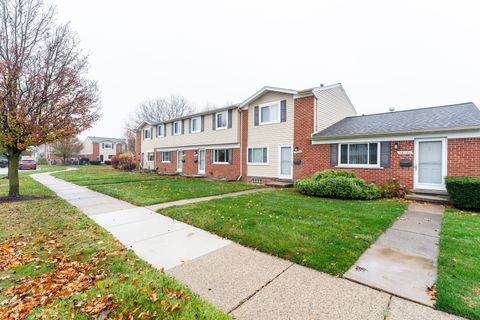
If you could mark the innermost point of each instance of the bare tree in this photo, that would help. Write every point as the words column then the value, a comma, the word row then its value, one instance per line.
column 159, row 109
column 67, row 148
column 44, row 94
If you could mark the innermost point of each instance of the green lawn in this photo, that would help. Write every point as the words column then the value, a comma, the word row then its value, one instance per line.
column 326, row 234
column 46, row 242
column 458, row 283
column 146, row 188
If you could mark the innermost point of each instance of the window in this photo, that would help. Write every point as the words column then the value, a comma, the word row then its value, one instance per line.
column 177, row 127
column 360, row 154
column 167, row 157
column 107, row 145
column 270, row 113
column 221, row 156
column 110, row 157
column 147, row 134
column 195, row 125
column 221, row 120
column 150, row 156
column 258, row 155
column 160, row 130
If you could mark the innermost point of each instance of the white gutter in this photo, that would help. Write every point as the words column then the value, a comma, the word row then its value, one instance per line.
column 241, row 144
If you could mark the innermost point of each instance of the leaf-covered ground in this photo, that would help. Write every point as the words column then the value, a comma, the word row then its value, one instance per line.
column 326, row 234
column 57, row 263
column 144, row 188
column 458, row 283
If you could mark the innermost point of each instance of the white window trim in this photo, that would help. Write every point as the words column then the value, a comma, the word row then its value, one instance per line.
column 226, row 121
column 148, row 156
column 149, row 130
column 199, row 121
column 259, row 163
column 179, row 126
column 215, row 162
column 269, row 104
column 163, row 161
column 280, row 161
column 364, row 166
column 162, row 133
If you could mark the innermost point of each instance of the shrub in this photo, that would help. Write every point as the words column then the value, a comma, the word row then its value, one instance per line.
column 84, row 161
column 392, row 189
column 464, row 191
column 115, row 161
column 107, row 162
column 333, row 174
column 342, row 186
column 41, row 160
column 95, row 163
column 125, row 162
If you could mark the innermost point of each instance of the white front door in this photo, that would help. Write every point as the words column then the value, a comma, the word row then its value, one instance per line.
column 179, row 160
column 285, row 162
column 201, row 161
column 430, row 163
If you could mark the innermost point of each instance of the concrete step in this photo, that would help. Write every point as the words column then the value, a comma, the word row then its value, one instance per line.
column 280, row 184
column 430, row 192
column 193, row 175
column 442, row 199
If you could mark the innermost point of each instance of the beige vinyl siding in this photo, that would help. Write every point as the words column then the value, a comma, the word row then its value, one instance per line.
column 205, row 138
column 107, row 152
column 332, row 106
column 270, row 135
column 87, row 147
column 147, row 146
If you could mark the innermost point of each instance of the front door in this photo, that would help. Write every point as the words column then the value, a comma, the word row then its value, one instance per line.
column 430, row 164
column 101, row 158
column 285, row 170
column 179, row 160
column 201, row 161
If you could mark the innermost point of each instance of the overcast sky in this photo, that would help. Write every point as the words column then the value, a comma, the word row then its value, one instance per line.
column 402, row 54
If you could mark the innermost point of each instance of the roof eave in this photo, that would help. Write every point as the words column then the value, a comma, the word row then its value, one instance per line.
column 260, row 92
column 390, row 133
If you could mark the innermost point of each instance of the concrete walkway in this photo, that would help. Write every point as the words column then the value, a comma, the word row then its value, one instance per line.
column 243, row 282
column 403, row 260
column 183, row 202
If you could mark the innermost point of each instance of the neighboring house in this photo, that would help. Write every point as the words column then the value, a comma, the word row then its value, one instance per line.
column 284, row 134
column 101, row 149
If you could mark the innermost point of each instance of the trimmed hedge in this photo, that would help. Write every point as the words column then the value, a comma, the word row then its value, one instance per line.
column 333, row 184
column 464, row 191
column 95, row 163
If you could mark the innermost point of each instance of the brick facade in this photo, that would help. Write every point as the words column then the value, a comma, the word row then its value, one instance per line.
column 138, row 151
column 464, row 157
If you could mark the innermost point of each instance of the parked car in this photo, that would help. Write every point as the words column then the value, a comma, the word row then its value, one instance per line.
column 27, row 163
column 3, row 162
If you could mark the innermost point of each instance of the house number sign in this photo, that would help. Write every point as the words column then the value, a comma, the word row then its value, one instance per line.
column 405, row 152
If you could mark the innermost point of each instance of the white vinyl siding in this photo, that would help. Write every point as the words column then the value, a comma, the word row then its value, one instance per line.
column 257, row 155
column 271, row 136
column 359, row 154
column 332, row 105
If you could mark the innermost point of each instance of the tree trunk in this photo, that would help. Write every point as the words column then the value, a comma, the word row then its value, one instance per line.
column 14, row 184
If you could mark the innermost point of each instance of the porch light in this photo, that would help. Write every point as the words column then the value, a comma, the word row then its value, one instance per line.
column 395, row 146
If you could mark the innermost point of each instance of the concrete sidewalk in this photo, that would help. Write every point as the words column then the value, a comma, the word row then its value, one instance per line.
column 403, row 260
column 245, row 283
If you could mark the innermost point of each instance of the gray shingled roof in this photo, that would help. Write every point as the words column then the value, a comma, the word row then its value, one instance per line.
column 457, row 116
column 103, row 139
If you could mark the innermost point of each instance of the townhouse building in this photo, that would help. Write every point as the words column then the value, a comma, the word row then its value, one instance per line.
column 280, row 134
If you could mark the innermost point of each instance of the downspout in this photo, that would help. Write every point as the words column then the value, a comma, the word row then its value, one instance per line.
column 241, row 144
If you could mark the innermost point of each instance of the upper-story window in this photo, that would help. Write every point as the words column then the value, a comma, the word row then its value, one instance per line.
column 107, row 145
column 270, row 113
column 161, row 130
column 147, row 134
column 177, row 128
column 360, row 154
column 221, row 120
column 195, row 125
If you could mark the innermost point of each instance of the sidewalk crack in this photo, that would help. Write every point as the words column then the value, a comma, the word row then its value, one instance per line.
column 259, row 289
column 386, row 312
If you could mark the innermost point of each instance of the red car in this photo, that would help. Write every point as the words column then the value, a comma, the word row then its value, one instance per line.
column 27, row 164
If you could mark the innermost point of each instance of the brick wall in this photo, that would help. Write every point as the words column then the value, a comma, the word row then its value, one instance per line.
column 464, row 157
column 190, row 166
column 310, row 155
column 96, row 152
column 138, row 151
column 227, row 171
column 244, row 129
column 162, row 167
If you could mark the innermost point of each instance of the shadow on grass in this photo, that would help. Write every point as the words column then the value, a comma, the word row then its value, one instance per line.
column 23, row 198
